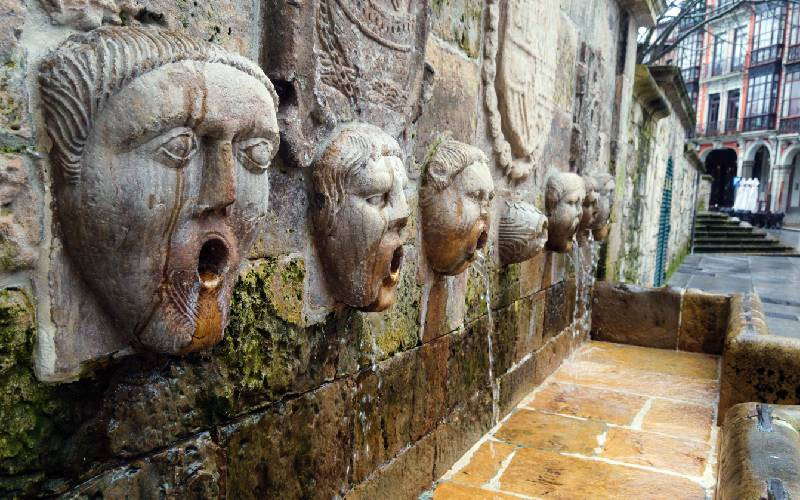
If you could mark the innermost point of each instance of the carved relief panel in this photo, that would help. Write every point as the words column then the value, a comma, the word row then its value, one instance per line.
column 455, row 197
column 339, row 61
column 519, row 74
column 161, row 145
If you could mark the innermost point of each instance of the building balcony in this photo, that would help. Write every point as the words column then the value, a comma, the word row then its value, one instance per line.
column 790, row 124
column 766, row 55
column 691, row 74
column 722, row 67
column 759, row 122
column 730, row 126
column 793, row 54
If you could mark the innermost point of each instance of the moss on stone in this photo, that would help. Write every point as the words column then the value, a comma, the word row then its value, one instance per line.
column 25, row 403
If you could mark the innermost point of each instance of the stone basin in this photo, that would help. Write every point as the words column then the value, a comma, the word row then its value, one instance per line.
column 667, row 401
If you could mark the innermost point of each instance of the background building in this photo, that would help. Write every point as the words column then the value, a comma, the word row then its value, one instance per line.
column 742, row 70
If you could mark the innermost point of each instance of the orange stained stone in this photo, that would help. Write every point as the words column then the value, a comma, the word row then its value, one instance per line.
column 588, row 402
column 654, row 450
column 540, row 473
column 637, row 381
column 683, row 420
column 452, row 491
column 484, row 464
column 551, row 432
column 674, row 363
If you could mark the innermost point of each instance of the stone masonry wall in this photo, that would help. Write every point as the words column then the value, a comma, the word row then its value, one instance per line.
column 304, row 398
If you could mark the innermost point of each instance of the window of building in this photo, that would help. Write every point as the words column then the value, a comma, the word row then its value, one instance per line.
column 794, row 34
column 791, row 91
column 732, row 111
column 690, row 51
column 720, row 51
column 762, row 94
column 768, row 33
column 739, row 48
column 713, row 114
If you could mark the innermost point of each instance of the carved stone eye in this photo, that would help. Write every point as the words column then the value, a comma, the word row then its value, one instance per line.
column 256, row 154
column 378, row 200
column 179, row 148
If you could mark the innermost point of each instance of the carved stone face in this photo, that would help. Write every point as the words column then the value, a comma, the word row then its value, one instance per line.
column 522, row 233
column 172, row 188
column 564, row 203
column 359, row 213
column 454, row 200
column 605, row 191
column 590, row 210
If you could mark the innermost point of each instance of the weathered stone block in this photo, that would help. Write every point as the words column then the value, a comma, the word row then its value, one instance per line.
column 468, row 364
column 516, row 384
column 518, row 331
column 454, row 102
column 557, row 313
column 430, row 385
column 628, row 314
column 302, row 448
column 192, row 469
column 704, row 321
column 459, row 22
column 405, row 477
column 461, row 429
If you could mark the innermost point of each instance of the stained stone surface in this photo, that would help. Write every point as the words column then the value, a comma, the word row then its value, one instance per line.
column 304, row 396
column 592, row 438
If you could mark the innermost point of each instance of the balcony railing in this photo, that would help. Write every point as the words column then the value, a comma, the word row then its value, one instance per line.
column 731, row 125
column 712, row 129
column 766, row 55
column 759, row 122
column 793, row 55
column 723, row 67
column 691, row 74
column 790, row 124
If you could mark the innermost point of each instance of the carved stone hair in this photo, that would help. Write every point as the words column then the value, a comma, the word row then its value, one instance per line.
column 448, row 159
column 558, row 185
column 79, row 77
column 348, row 151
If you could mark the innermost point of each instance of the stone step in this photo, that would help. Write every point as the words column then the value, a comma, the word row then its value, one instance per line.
column 714, row 248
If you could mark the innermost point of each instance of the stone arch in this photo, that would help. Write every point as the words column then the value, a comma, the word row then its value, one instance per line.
column 750, row 152
column 788, row 155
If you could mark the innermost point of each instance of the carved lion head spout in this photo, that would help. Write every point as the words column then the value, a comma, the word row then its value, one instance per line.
column 590, row 210
column 456, row 192
column 604, row 184
column 359, row 212
column 522, row 233
column 161, row 145
column 564, row 205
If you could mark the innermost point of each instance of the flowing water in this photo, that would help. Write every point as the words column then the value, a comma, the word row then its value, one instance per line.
column 483, row 269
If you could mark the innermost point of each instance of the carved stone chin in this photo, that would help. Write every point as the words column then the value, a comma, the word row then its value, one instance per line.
column 359, row 211
column 522, row 233
column 456, row 192
column 160, row 149
column 564, row 196
column 605, row 186
column 590, row 210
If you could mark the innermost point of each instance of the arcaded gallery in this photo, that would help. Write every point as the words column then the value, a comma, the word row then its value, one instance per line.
column 399, row 249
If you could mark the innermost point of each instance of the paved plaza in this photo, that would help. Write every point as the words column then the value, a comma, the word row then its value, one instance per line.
column 776, row 279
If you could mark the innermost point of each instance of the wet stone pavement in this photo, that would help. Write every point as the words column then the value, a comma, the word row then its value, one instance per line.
column 776, row 279
column 614, row 421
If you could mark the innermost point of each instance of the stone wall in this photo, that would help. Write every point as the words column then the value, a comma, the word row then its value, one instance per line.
column 660, row 119
column 305, row 397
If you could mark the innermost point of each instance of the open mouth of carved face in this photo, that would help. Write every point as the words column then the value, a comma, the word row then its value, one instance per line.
column 212, row 263
column 483, row 238
column 395, row 264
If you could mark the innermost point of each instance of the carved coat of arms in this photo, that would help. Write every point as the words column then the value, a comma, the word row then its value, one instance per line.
column 347, row 60
column 520, row 75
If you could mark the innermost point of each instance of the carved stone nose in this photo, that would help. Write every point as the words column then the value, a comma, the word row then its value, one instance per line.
column 218, row 189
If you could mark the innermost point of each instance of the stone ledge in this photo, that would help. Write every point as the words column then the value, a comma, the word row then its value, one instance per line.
column 759, row 452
